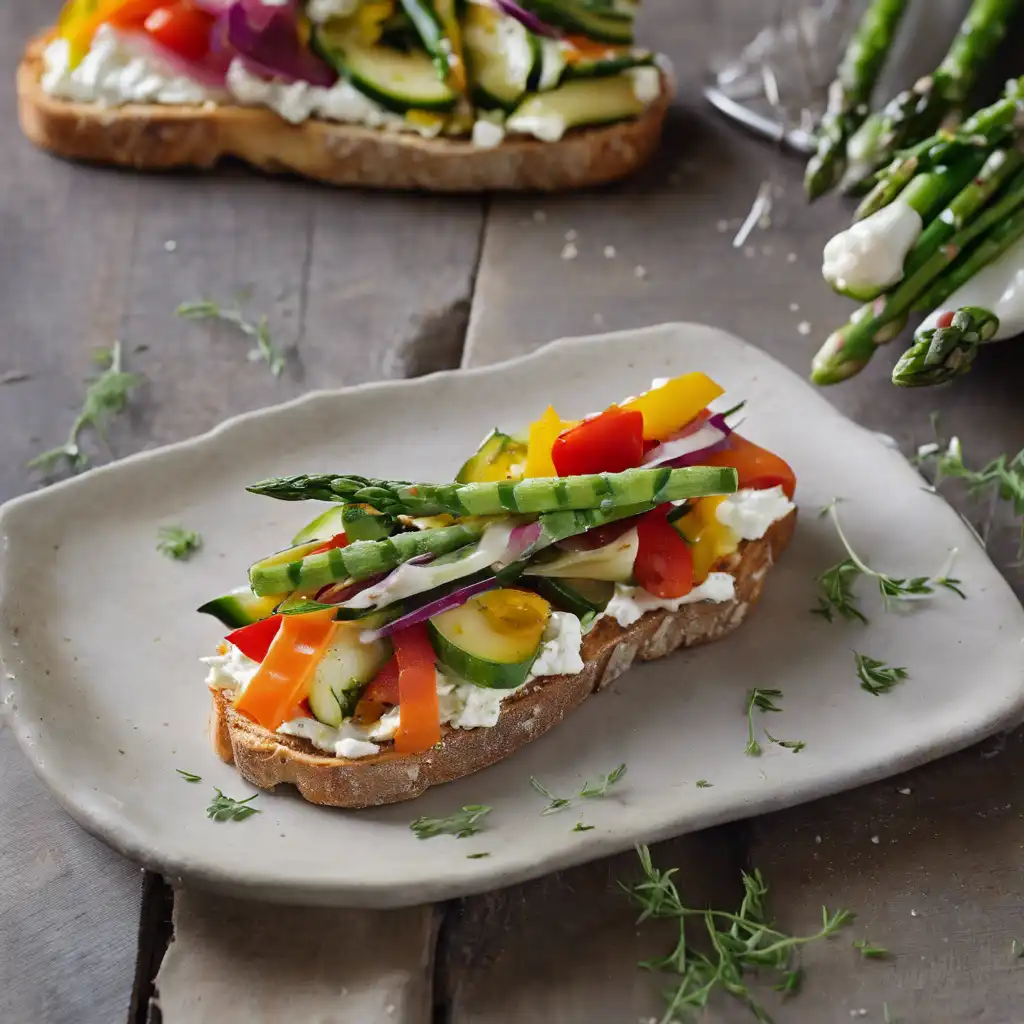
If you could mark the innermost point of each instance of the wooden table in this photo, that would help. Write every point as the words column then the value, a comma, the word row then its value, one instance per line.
column 369, row 286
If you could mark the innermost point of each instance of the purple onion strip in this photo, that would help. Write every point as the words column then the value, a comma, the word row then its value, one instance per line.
column 527, row 18
column 428, row 611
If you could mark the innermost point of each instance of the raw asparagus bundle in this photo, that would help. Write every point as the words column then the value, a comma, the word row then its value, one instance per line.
column 540, row 494
column 947, row 350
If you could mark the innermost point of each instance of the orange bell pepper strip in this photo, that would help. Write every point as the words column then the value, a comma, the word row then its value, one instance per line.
column 581, row 48
column 543, row 434
column 419, row 725
column 758, row 468
column 282, row 680
column 666, row 410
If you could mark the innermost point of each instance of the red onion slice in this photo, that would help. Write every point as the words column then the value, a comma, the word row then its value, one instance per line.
column 527, row 19
column 520, row 540
column 428, row 611
column 691, row 444
column 266, row 37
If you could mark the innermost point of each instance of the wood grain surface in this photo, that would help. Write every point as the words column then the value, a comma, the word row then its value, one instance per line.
column 360, row 287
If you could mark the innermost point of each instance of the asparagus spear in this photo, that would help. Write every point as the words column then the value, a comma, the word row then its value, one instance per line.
column 1008, row 230
column 947, row 350
column 368, row 558
column 919, row 111
column 850, row 93
column 848, row 349
column 539, row 494
column 989, row 127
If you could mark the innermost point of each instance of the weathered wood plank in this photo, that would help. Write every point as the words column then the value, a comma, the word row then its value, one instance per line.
column 356, row 287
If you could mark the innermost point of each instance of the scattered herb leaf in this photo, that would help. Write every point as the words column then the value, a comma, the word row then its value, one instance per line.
column 740, row 942
column 264, row 350
column 875, row 676
column 178, row 543
column 105, row 397
column 226, row 808
column 837, row 596
column 763, row 700
column 1017, row 948
column 462, row 824
column 870, row 952
column 556, row 802
column 476, row 856
column 795, row 745
column 703, row 784
column 600, row 786
column 580, row 827
column 14, row 377
column 188, row 776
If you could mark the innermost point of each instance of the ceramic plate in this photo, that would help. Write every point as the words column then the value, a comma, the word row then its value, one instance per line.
column 101, row 645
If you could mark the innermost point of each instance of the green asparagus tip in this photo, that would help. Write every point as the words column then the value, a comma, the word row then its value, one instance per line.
column 942, row 354
column 829, row 365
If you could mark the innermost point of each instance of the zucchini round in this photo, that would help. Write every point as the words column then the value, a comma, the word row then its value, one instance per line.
column 493, row 639
column 502, row 57
column 240, row 608
column 581, row 597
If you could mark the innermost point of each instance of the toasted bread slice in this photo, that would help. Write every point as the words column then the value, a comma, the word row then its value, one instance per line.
column 266, row 759
column 157, row 137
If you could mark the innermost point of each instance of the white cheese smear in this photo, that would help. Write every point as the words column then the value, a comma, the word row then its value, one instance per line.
column 749, row 513
column 628, row 604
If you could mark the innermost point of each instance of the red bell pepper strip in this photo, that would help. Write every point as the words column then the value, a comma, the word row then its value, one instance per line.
column 609, row 443
column 182, row 29
column 420, row 716
column 255, row 639
column 383, row 688
column 664, row 561
column 758, row 468
column 282, row 680
column 339, row 540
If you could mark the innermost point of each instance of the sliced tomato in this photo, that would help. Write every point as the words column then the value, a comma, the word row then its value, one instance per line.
column 383, row 688
column 282, row 680
column 664, row 561
column 254, row 640
column 758, row 468
column 420, row 722
column 182, row 29
column 608, row 443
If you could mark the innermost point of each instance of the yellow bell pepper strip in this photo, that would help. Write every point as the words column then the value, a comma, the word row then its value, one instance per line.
column 669, row 408
column 282, row 680
column 710, row 541
column 543, row 434
column 80, row 19
column 419, row 722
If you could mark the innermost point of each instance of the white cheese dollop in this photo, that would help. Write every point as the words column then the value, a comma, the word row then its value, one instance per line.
column 560, row 648
column 488, row 131
column 231, row 669
column 646, row 84
column 749, row 513
column 999, row 287
column 320, row 11
column 114, row 72
column 628, row 604
column 868, row 256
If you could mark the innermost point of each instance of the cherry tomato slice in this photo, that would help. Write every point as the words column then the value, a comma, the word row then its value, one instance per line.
column 608, row 443
column 182, row 29
column 758, row 468
column 664, row 562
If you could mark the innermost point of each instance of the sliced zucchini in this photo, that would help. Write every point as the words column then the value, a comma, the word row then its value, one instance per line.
column 499, row 457
column 343, row 673
column 291, row 558
column 548, row 73
column 326, row 525
column 240, row 608
column 576, row 104
column 399, row 81
column 492, row 639
column 448, row 13
column 429, row 28
column 362, row 522
column 502, row 57
column 611, row 64
column 603, row 26
column 298, row 605
column 581, row 597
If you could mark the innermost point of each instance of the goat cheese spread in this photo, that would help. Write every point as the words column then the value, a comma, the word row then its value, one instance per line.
column 628, row 604
column 749, row 513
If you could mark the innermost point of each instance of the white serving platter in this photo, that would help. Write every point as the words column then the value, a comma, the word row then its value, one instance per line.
column 104, row 690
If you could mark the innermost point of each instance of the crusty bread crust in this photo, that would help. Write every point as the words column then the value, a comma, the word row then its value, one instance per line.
column 266, row 759
column 157, row 137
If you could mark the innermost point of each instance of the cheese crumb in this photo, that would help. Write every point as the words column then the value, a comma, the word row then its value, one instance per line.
column 609, row 252
column 571, row 235
column 170, row 245
column 569, row 251
column 640, row 272
column 803, row 327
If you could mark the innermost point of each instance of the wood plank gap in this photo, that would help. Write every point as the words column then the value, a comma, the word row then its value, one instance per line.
column 155, row 932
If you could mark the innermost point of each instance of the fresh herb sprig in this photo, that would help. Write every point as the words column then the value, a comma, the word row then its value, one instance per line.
column 838, row 598
column 764, row 701
column 876, row 676
column 461, row 824
column 178, row 543
column 555, row 803
column 870, row 951
column 264, row 349
column 740, row 942
column 1001, row 480
column 227, row 808
column 601, row 785
column 105, row 397
column 188, row 776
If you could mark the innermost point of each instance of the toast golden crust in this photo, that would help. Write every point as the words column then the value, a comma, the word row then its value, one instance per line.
column 156, row 137
column 266, row 759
